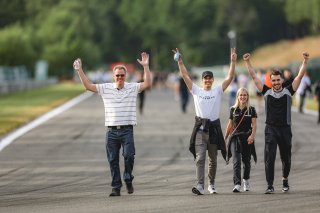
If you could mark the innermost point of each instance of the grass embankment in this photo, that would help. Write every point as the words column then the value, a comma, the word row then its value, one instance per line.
column 281, row 53
column 21, row 107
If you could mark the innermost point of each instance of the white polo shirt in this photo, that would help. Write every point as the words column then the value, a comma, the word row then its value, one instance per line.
column 207, row 103
column 119, row 105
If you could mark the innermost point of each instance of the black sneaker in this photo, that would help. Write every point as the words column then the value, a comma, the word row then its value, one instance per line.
column 115, row 192
column 285, row 187
column 269, row 190
column 129, row 188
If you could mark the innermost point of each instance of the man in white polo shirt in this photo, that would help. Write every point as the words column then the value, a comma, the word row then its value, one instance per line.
column 207, row 133
column 119, row 100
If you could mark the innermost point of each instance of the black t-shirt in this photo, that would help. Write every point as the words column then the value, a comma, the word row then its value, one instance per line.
column 236, row 115
column 278, row 105
column 287, row 82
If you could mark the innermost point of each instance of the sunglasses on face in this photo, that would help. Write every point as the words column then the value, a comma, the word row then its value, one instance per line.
column 120, row 75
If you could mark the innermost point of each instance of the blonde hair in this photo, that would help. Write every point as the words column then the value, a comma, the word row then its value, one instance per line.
column 242, row 89
column 120, row 67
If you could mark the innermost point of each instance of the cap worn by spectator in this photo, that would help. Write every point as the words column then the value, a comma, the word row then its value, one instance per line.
column 207, row 73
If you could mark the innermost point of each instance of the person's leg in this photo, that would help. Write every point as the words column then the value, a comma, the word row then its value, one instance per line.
column 285, row 146
column 141, row 102
column 246, row 159
column 236, row 158
column 128, row 154
column 301, row 103
column 184, row 105
column 201, row 148
column 113, row 146
column 212, row 164
column 184, row 101
column 270, row 153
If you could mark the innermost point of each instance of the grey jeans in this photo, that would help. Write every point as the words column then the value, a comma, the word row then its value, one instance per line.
column 202, row 145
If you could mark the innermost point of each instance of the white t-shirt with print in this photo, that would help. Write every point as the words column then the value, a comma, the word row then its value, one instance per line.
column 207, row 102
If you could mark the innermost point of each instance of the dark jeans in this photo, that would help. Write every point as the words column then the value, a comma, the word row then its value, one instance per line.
column 246, row 160
column 301, row 104
column 184, row 101
column 141, row 101
column 277, row 136
column 115, row 138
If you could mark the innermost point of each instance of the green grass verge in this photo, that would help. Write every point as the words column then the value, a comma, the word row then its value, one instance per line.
column 21, row 107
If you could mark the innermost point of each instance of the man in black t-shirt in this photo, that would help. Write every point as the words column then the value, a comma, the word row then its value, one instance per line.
column 278, row 120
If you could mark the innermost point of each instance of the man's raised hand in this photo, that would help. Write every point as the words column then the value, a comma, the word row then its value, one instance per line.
column 77, row 64
column 246, row 57
column 233, row 55
column 305, row 56
column 144, row 59
column 177, row 55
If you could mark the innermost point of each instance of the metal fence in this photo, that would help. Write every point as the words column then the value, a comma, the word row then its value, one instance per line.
column 13, row 79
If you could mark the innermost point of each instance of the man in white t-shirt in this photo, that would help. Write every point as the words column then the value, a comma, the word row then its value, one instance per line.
column 207, row 133
column 119, row 100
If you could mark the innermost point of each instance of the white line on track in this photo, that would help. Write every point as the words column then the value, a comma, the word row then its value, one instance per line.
column 45, row 117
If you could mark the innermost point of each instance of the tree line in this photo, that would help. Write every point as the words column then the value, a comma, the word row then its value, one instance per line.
column 105, row 31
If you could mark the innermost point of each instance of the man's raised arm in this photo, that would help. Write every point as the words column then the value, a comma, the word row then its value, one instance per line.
column 230, row 75
column 77, row 65
column 183, row 71
column 146, row 76
column 256, row 80
column 302, row 71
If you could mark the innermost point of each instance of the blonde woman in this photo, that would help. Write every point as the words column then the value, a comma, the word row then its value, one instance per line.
column 241, row 130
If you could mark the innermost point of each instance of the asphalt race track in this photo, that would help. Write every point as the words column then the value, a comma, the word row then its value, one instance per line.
column 61, row 166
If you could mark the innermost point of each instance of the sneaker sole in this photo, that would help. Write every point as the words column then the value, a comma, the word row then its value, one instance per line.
column 285, row 191
column 235, row 191
column 269, row 193
column 196, row 191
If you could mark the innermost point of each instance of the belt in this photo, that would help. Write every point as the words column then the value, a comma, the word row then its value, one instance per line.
column 120, row 127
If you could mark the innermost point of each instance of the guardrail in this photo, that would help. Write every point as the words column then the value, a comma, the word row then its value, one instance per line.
column 13, row 79
column 22, row 85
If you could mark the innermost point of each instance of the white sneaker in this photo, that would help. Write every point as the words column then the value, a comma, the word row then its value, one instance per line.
column 212, row 189
column 198, row 190
column 246, row 185
column 236, row 188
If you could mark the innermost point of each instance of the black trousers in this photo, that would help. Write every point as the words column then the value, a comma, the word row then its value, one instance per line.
column 301, row 104
column 237, row 156
column 277, row 136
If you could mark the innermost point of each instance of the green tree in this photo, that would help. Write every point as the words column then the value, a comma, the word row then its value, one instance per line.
column 65, row 34
column 304, row 15
column 15, row 46
column 12, row 11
